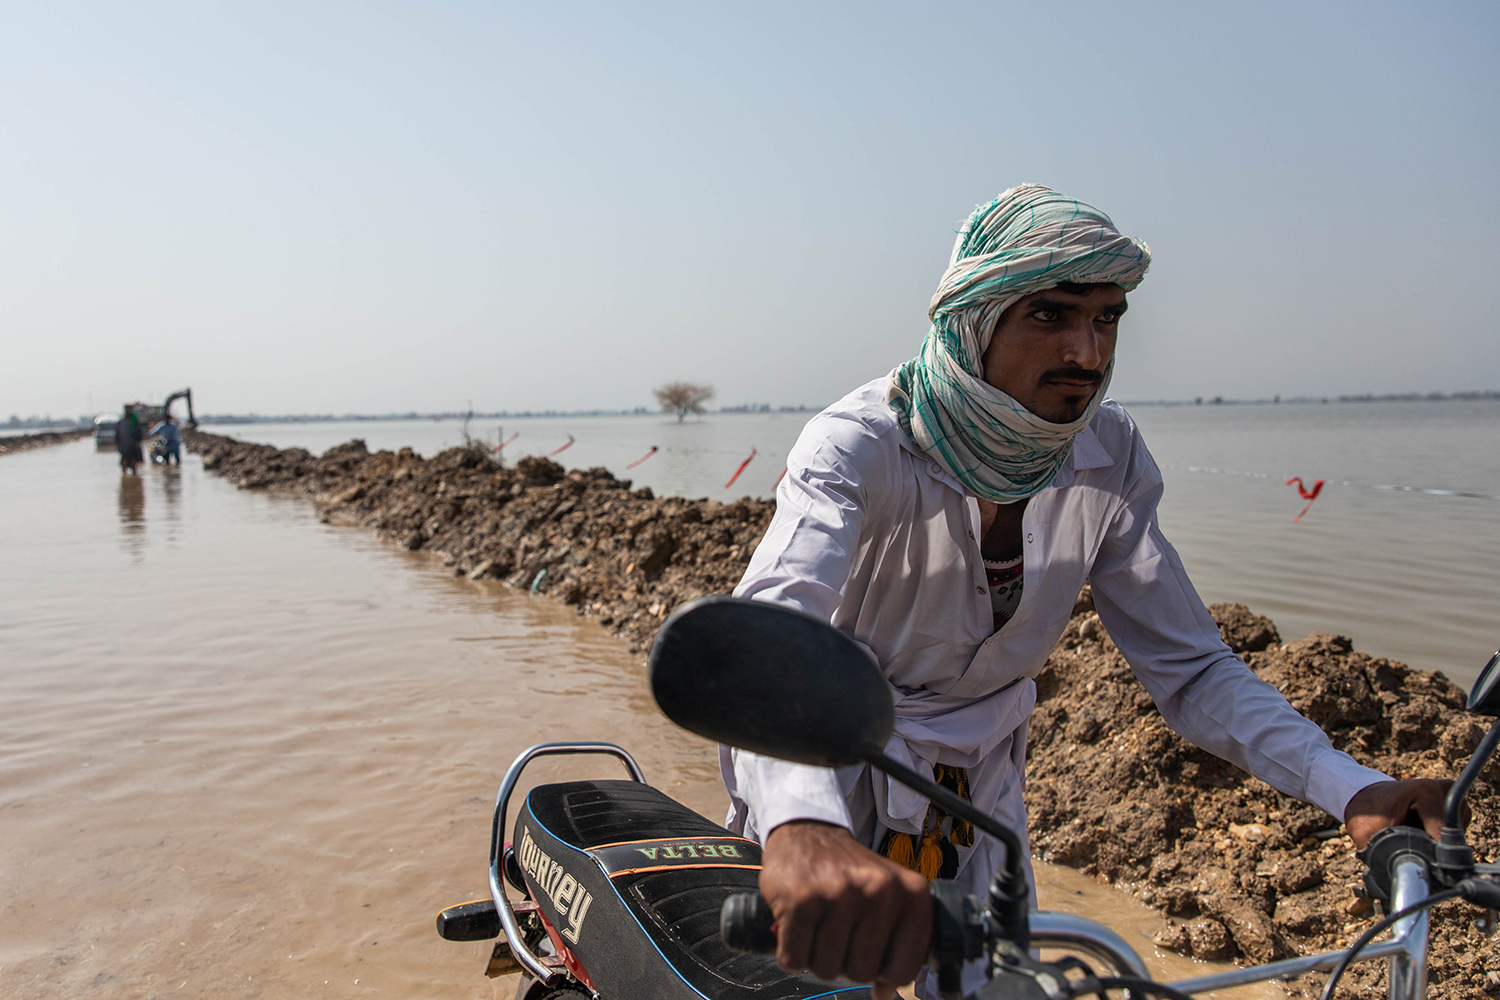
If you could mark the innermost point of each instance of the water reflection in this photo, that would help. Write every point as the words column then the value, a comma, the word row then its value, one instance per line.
column 132, row 507
column 170, row 477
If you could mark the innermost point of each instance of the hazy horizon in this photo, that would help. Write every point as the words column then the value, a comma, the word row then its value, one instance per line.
column 49, row 420
column 367, row 209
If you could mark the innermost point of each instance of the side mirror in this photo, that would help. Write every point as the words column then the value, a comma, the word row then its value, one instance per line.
column 770, row 680
column 1484, row 696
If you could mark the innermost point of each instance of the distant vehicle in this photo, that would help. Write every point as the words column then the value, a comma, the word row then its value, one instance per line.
column 104, row 432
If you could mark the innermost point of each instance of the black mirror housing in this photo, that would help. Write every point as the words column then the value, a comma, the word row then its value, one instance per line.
column 1484, row 696
column 770, row 680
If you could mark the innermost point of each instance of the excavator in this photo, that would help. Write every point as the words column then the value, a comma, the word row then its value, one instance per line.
column 184, row 394
column 151, row 415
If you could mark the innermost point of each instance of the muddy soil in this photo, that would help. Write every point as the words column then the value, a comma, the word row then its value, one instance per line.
column 25, row 442
column 1237, row 869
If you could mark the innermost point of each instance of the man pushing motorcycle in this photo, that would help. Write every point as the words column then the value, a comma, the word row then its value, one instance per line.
column 946, row 516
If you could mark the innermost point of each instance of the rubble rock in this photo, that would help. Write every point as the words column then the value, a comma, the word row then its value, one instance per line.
column 1112, row 790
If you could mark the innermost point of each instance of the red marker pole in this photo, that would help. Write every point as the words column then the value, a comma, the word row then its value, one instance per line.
column 559, row 451
column 1306, row 494
column 648, row 454
column 507, row 441
column 739, row 470
column 779, row 478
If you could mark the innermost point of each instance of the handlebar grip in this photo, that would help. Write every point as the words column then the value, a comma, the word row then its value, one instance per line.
column 1480, row 891
column 747, row 924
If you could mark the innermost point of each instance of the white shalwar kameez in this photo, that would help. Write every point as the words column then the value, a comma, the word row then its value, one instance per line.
column 874, row 537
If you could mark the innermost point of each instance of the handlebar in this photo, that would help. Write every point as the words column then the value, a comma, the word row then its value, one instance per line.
column 746, row 923
column 960, row 932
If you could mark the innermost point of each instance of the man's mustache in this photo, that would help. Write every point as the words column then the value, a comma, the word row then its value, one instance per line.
column 1072, row 375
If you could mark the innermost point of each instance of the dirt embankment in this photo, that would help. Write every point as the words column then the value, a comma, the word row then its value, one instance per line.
column 620, row 555
column 25, row 442
column 1237, row 869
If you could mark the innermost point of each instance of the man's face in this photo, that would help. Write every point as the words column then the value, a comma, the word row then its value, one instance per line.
column 1050, row 349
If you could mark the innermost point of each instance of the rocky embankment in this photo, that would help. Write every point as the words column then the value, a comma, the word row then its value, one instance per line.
column 1237, row 869
column 25, row 442
column 622, row 556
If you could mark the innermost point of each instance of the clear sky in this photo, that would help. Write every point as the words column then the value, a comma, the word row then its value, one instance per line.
column 335, row 206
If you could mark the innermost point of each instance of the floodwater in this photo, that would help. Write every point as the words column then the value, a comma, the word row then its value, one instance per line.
column 1410, row 575
column 247, row 754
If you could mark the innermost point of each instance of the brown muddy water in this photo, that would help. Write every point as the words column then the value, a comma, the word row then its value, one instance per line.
column 246, row 754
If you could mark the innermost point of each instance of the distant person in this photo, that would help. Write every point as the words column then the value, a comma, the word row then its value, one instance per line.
column 170, row 448
column 128, row 438
column 946, row 516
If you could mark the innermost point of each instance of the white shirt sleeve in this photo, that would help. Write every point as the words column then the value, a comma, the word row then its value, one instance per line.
column 1205, row 692
column 803, row 562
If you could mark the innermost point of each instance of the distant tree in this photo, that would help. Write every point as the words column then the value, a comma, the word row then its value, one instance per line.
column 683, row 398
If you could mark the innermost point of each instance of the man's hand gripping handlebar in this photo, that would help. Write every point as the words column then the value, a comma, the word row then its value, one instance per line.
column 841, row 909
column 837, row 909
column 959, row 933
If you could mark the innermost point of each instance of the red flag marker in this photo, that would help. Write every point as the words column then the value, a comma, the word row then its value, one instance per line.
column 648, row 454
column 1307, row 494
column 779, row 478
column 559, row 451
column 507, row 441
column 739, row 470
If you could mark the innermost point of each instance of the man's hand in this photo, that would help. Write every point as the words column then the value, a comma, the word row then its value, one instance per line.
column 843, row 910
column 1388, row 803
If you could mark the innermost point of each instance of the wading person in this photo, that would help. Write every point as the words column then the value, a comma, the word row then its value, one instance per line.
column 946, row 516
column 171, row 440
column 128, row 441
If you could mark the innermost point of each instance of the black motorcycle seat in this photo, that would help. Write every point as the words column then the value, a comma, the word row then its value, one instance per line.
column 588, row 815
column 671, row 870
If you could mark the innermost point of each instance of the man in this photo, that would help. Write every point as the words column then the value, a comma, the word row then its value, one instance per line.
column 946, row 516
column 128, row 441
column 171, row 440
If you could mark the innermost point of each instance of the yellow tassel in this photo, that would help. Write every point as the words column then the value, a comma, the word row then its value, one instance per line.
column 930, row 860
column 898, row 847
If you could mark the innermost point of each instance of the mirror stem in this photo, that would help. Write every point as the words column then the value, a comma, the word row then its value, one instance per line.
column 956, row 805
column 1453, row 805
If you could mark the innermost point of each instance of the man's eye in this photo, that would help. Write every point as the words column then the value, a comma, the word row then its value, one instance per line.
column 1045, row 315
column 1110, row 318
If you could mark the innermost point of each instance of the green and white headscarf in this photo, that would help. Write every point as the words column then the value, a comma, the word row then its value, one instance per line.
column 1029, row 239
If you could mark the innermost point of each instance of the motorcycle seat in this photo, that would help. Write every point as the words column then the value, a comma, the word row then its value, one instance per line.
column 650, row 876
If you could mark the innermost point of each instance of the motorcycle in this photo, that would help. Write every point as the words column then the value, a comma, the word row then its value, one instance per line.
column 624, row 893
